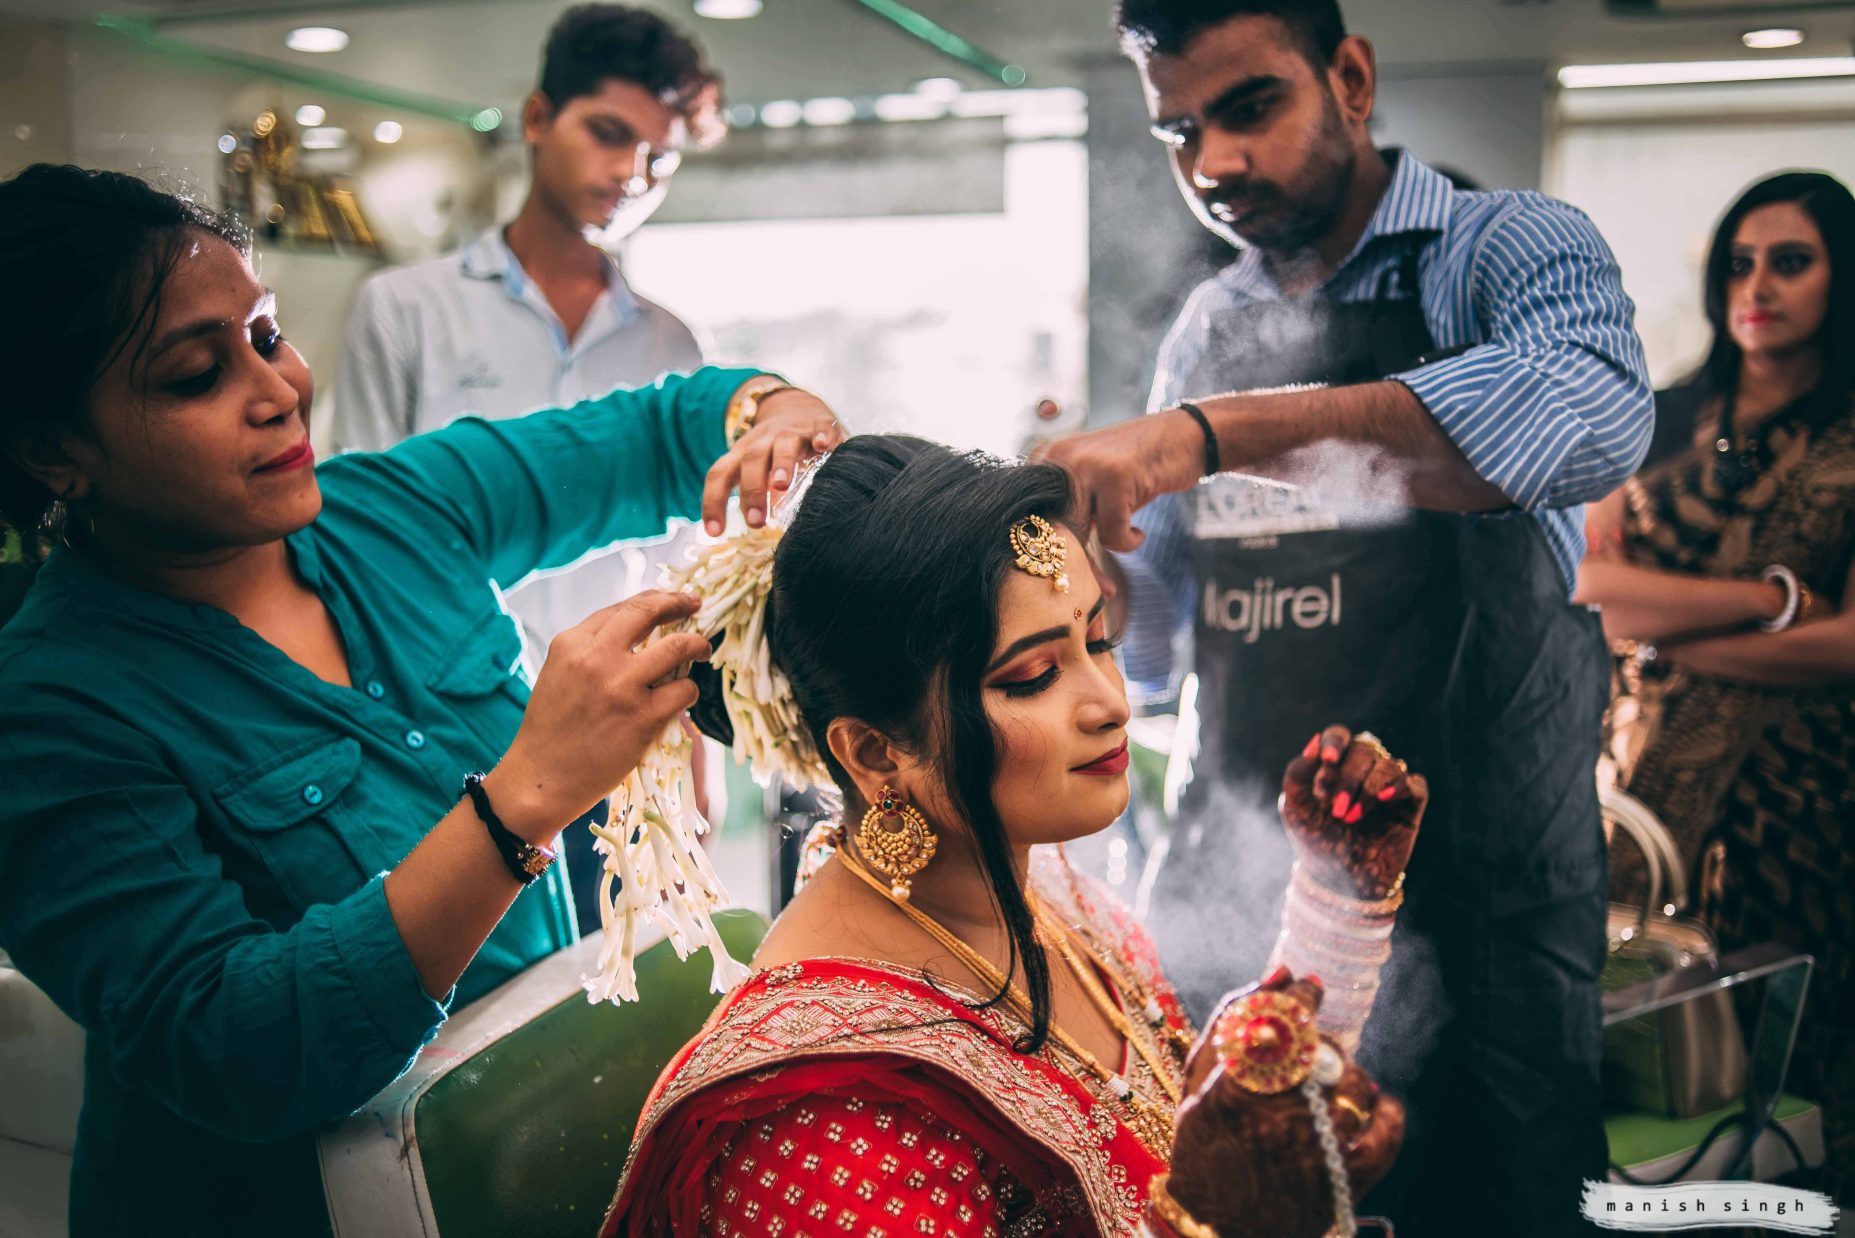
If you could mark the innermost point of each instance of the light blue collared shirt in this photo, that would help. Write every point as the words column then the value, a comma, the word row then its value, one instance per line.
column 470, row 333
column 1551, row 400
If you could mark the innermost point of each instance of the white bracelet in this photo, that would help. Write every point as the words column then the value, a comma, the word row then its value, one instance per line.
column 1793, row 597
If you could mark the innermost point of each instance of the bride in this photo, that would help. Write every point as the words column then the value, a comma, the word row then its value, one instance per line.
column 949, row 1031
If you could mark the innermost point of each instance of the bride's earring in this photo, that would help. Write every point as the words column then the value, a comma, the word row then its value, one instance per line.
column 897, row 841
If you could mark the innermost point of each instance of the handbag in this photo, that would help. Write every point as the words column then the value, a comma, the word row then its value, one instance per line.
column 1689, row 1058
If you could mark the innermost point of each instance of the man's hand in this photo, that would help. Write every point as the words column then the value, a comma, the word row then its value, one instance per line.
column 1119, row 469
column 793, row 426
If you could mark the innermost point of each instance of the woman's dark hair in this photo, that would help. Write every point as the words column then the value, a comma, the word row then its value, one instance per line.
column 1167, row 27
column 885, row 609
column 1830, row 205
column 83, row 259
column 593, row 42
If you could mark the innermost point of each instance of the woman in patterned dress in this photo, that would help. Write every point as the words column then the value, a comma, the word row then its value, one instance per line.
column 948, row 1031
column 1725, row 567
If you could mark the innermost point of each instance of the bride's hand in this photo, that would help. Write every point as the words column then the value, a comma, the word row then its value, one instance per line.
column 1352, row 812
column 1246, row 1163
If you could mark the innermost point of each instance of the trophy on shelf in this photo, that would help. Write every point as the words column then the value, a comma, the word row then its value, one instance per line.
column 263, row 179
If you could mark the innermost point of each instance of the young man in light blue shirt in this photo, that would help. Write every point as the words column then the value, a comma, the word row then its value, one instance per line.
column 537, row 313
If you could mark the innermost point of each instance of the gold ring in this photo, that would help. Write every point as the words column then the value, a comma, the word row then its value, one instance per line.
column 1348, row 1105
column 1267, row 1041
column 1374, row 743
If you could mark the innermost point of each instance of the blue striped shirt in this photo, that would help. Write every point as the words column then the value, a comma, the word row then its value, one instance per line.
column 1550, row 402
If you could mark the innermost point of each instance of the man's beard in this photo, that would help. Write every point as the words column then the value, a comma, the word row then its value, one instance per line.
column 1285, row 223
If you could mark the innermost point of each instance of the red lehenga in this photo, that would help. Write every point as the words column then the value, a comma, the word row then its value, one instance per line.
column 844, row 1096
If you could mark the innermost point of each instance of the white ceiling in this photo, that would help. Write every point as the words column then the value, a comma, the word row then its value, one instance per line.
column 486, row 51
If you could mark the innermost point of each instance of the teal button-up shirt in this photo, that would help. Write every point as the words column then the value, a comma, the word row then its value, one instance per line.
column 194, row 827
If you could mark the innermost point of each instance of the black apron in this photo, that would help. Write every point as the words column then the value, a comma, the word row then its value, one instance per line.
column 1450, row 637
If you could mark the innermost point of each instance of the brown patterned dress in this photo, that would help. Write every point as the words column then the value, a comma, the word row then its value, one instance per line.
column 1755, row 781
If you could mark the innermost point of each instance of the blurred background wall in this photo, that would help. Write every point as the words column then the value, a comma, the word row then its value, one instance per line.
column 934, row 241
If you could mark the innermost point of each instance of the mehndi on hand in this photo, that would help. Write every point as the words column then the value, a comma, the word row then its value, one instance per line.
column 1248, row 1162
column 1352, row 811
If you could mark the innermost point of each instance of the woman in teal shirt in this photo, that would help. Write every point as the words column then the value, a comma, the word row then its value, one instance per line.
column 243, row 693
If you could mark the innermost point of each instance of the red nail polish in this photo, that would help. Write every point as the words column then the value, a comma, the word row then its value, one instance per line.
column 1388, row 794
column 1314, row 980
column 1276, row 978
column 1341, row 803
column 1353, row 817
column 1330, row 753
column 1312, row 748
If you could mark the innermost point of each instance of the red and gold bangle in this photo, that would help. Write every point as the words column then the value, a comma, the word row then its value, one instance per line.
column 1171, row 1214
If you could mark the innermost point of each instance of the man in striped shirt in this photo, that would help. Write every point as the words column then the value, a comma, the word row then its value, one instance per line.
column 1393, row 550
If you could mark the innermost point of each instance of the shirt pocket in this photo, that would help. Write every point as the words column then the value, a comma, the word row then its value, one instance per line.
column 296, row 813
column 486, row 658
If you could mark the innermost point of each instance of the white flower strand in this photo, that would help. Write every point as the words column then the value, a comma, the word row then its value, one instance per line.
column 655, row 867
column 734, row 578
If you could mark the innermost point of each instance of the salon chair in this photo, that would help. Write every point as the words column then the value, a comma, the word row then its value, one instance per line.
column 517, row 1117
column 42, row 1086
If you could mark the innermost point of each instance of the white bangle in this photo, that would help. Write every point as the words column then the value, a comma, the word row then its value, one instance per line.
column 1793, row 597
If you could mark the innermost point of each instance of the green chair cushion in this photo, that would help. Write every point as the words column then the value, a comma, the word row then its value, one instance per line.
column 1638, row 1138
column 529, row 1136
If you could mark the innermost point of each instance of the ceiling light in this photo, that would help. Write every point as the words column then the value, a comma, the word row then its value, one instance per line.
column 727, row 10
column 487, row 120
column 316, row 39
column 942, row 88
column 1775, row 36
column 325, row 138
column 388, row 132
column 781, row 113
column 1688, row 73
column 227, row 143
column 829, row 110
column 310, row 114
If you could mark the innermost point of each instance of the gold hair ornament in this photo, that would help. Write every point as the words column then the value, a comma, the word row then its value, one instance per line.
column 1040, row 551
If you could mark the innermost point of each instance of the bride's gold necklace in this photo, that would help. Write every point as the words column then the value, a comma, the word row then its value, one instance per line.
column 1126, row 981
column 1140, row 1039
column 1150, row 1122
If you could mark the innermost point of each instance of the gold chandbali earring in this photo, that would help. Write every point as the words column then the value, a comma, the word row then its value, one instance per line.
column 896, row 840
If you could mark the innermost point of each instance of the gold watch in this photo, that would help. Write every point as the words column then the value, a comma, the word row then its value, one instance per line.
column 744, row 408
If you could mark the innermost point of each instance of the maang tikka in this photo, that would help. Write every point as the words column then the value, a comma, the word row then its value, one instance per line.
column 1040, row 551
column 896, row 840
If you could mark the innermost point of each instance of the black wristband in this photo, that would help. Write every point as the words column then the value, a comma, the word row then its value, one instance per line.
column 1212, row 466
column 525, row 860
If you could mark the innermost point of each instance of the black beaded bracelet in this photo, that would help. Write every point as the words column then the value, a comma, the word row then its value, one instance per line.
column 1212, row 465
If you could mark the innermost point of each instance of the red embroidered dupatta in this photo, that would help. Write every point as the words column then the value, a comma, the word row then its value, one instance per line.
column 842, row 1096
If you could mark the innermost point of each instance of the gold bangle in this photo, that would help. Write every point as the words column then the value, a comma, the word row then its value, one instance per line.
column 744, row 407
column 1172, row 1213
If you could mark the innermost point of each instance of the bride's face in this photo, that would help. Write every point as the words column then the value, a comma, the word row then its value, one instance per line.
column 1055, row 698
